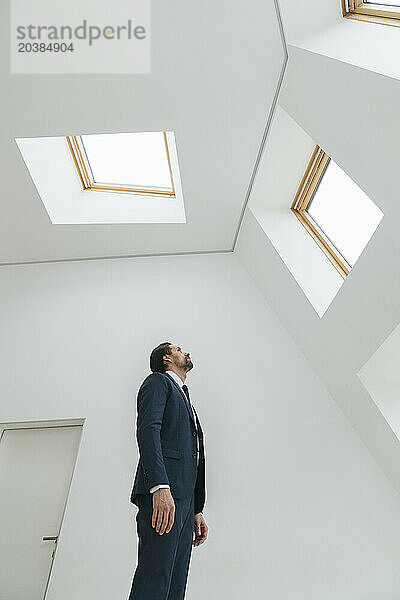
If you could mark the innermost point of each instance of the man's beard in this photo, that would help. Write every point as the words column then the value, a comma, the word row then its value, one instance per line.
column 189, row 365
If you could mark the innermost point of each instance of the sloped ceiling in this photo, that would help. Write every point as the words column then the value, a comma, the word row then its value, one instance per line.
column 215, row 71
column 352, row 113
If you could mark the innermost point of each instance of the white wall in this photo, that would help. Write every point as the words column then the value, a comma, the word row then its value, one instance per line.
column 297, row 507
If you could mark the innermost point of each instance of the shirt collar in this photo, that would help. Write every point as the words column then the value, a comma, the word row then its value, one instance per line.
column 176, row 377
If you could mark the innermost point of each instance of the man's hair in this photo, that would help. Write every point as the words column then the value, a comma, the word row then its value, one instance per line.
column 156, row 357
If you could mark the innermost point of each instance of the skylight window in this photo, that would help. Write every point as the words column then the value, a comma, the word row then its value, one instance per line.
column 386, row 3
column 335, row 211
column 386, row 12
column 136, row 163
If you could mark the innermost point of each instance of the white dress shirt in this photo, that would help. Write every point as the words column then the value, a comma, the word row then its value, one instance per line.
column 180, row 383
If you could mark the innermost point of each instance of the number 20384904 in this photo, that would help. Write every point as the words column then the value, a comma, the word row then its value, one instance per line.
column 42, row 47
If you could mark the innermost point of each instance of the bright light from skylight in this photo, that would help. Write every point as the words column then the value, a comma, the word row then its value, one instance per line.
column 135, row 159
column 383, row 3
column 344, row 213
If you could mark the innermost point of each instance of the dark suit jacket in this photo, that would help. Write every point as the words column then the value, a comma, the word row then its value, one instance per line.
column 166, row 435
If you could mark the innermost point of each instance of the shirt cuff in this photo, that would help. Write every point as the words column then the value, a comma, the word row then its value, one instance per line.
column 157, row 487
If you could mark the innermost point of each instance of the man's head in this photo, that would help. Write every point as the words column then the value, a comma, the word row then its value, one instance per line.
column 168, row 356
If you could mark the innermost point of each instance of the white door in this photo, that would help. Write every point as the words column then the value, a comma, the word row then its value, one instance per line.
column 36, row 466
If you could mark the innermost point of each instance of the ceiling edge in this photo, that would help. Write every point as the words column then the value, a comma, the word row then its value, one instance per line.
column 268, row 124
column 114, row 257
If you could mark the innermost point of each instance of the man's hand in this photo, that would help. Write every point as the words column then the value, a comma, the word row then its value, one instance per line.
column 163, row 510
column 200, row 530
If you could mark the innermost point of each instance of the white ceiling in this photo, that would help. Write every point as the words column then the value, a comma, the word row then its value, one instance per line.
column 215, row 71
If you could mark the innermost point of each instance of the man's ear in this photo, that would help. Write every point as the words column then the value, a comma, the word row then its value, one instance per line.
column 166, row 359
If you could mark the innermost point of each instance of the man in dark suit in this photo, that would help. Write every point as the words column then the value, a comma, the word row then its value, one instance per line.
column 169, row 486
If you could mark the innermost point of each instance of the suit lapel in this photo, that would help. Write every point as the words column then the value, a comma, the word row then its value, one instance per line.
column 183, row 396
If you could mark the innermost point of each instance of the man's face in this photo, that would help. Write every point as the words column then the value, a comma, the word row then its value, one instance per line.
column 179, row 358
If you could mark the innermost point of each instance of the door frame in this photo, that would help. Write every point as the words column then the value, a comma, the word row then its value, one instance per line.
column 46, row 424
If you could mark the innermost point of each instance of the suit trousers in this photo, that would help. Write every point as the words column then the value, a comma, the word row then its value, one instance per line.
column 163, row 560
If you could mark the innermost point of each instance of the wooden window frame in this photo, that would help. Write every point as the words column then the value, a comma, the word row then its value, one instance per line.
column 304, row 196
column 366, row 11
column 84, row 170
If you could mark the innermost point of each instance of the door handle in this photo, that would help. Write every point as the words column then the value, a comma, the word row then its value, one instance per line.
column 51, row 538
